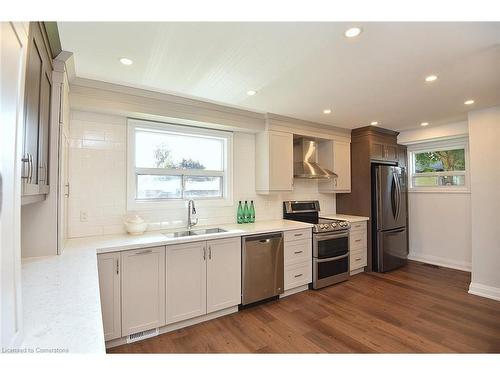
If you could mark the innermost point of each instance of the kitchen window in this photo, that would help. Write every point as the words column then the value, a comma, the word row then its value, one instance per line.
column 439, row 166
column 171, row 163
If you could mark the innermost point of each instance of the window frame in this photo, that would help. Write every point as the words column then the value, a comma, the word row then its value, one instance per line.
column 452, row 144
column 162, row 203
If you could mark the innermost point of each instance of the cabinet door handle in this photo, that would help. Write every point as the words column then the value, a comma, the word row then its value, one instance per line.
column 30, row 168
column 117, row 266
column 298, row 234
column 298, row 252
column 300, row 274
column 144, row 252
column 210, row 252
column 204, row 253
column 25, row 173
column 357, row 259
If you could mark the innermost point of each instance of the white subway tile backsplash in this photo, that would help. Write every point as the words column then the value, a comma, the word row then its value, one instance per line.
column 97, row 165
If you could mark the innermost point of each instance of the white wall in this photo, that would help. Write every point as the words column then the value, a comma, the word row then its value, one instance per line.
column 439, row 223
column 440, row 229
column 97, row 167
column 484, row 133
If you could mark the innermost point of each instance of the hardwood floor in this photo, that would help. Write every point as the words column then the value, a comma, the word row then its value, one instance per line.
column 416, row 309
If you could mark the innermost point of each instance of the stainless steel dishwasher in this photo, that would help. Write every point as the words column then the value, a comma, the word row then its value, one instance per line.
column 262, row 267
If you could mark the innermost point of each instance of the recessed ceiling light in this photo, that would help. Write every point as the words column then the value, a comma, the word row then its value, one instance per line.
column 424, row 124
column 374, row 123
column 352, row 32
column 251, row 92
column 126, row 61
column 327, row 111
column 469, row 102
column 431, row 78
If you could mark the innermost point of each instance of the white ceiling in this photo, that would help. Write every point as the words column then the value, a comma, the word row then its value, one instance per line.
column 299, row 69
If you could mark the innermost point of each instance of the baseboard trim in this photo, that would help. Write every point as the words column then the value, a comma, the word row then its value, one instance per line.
column 484, row 291
column 178, row 325
column 439, row 261
column 298, row 289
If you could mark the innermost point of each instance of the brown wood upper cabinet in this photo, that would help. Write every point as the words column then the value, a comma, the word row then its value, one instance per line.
column 38, row 88
column 385, row 152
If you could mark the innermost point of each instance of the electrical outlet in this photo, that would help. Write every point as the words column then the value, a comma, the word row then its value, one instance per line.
column 84, row 216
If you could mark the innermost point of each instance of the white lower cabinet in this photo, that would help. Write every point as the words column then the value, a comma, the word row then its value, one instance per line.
column 143, row 289
column 152, row 287
column 223, row 274
column 109, row 288
column 357, row 247
column 202, row 277
column 298, row 259
column 186, row 281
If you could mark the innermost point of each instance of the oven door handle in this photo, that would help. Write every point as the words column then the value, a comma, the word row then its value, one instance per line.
column 332, row 259
column 322, row 237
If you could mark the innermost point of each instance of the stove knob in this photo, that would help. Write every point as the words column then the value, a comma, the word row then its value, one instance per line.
column 334, row 225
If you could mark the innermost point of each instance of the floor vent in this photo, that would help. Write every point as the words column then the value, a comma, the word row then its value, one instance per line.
column 142, row 335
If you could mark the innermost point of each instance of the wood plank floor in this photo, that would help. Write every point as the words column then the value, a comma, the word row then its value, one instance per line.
column 416, row 309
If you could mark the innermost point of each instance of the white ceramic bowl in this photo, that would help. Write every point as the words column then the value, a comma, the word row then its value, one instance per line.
column 136, row 228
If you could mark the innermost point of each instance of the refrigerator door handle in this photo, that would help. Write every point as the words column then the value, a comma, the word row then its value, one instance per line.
column 378, row 178
column 394, row 196
column 398, row 195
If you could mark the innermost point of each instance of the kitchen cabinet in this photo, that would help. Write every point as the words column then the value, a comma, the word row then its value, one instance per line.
column 369, row 144
column 357, row 247
column 402, row 156
column 186, row 281
column 383, row 152
column 223, row 274
column 298, row 260
column 143, row 289
column 35, row 160
column 203, row 277
column 336, row 156
column 273, row 161
column 109, row 288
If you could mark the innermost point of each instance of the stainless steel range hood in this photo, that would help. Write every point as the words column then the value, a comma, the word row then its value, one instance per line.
column 305, row 157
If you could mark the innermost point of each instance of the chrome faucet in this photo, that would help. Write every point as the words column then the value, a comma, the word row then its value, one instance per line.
column 191, row 210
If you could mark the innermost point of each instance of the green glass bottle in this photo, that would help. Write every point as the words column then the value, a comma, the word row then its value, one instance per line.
column 252, row 212
column 239, row 214
column 246, row 213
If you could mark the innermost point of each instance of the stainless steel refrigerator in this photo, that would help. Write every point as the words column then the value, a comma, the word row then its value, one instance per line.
column 390, row 217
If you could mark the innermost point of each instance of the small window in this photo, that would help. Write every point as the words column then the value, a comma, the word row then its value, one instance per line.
column 439, row 166
column 170, row 162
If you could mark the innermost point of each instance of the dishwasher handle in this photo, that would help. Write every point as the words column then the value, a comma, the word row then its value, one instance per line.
column 263, row 237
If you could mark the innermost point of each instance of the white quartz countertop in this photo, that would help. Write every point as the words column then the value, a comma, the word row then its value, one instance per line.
column 349, row 218
column 61, row 302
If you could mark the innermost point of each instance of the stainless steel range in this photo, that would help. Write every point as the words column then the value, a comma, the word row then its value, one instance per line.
column 330, row 242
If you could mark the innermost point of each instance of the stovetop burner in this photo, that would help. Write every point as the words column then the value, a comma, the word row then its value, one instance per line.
column 308, row 212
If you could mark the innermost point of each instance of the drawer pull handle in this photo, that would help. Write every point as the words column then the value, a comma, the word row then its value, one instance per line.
column 358, row 259
column 298, row 252
column 300, row 274
column 144, row 252
column 359, row 240
column 298, row 234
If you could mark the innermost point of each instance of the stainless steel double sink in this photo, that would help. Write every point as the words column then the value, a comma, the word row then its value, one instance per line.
column 189, row 233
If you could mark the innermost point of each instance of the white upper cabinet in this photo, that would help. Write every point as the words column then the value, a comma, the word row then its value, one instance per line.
column 336, row 156
column 109, row 288
column 186, row 281
column 273, row 161
column 223, row 274
column 143, row 289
